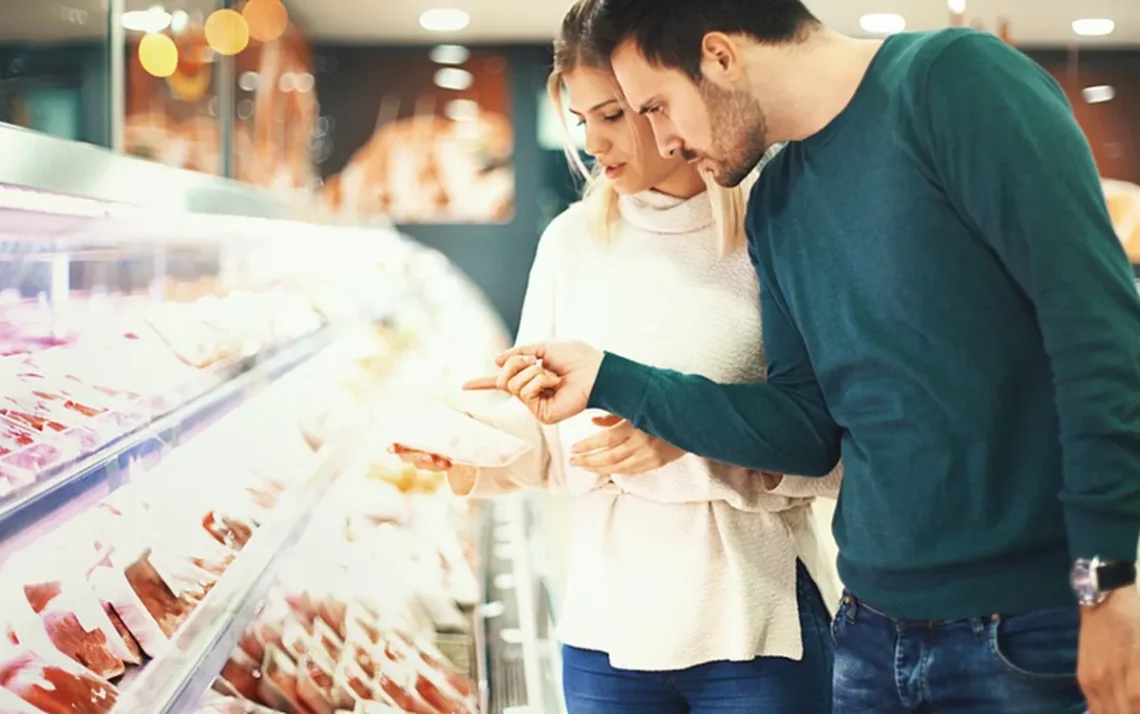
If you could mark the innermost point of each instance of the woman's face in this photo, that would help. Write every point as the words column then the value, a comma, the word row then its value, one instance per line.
column 619, row 139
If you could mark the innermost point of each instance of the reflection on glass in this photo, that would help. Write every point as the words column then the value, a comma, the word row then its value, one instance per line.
column 54, row 68
column 420, row 135
column 171, row 112
column 276, row 109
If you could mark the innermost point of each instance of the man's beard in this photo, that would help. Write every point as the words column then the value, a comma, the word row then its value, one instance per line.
column 739, row 131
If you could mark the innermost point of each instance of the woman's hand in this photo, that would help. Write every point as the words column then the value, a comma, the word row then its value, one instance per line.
column 622, row 449
column 426, row 461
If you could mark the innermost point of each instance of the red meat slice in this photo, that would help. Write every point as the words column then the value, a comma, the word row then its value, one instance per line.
column 227, row 531
column 128, row 638
column 442, row 703
column 67, row 633
column 40, row 594
column 87, row 648
column 462, row 684
column 53, row 689
column 168, row 610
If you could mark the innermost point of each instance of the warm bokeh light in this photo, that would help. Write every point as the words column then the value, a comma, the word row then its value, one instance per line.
column 189, row 86
column 227, row 32
column 267, row 19
column 158, row 55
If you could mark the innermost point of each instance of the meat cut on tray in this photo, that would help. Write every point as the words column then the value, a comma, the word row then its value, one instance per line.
column 52, row 687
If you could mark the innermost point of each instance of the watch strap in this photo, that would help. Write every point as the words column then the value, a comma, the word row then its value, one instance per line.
column 1114, row 575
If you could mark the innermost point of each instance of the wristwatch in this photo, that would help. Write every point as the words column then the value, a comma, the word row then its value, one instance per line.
column 1093, row 580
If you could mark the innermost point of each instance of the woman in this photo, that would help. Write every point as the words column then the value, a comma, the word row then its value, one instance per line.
column 692, row 584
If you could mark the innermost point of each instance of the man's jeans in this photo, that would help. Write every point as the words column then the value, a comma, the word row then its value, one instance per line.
column 1019, row 664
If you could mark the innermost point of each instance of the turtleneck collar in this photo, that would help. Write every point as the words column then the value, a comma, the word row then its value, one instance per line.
column 658, row 213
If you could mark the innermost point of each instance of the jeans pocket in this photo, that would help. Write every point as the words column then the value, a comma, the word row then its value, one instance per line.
column 840, row 618
column 1040, row 645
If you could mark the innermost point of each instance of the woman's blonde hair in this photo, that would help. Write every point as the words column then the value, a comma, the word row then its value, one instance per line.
column 573, row 50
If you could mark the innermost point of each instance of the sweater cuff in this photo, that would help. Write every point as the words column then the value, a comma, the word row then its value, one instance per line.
column 1100, row 534
column 620, row 386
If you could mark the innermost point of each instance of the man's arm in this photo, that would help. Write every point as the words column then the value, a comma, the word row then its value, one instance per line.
column 782, row 425
column 1015, row 163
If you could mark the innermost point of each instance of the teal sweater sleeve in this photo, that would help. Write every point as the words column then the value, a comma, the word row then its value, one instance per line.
column 781, row 425
column 1016, row 165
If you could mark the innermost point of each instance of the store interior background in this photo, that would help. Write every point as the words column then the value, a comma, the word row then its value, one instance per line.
column 298, row 115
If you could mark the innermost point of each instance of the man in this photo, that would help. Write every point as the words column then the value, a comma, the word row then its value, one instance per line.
column 946, row 306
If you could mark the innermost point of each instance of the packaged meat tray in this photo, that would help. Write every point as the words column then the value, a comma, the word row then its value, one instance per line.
column 77, row 625
column 116, row 592
column 51, row 687
column 22, row 449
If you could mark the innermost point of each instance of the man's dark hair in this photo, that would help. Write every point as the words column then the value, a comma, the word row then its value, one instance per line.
column 668, row 33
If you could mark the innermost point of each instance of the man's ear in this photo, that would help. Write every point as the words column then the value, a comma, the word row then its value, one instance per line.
column 721, row 61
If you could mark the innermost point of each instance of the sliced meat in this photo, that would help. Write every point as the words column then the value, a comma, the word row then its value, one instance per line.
column 55, row 690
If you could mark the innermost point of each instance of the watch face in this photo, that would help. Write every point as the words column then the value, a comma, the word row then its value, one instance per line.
column 1083, row 581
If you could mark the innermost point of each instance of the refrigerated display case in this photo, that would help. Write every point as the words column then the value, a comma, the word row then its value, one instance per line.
column 196, row 510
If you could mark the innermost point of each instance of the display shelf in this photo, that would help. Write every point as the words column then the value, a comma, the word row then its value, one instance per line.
column 65, row 490
column 518, row 680
column 479, row 616
column 175, row 681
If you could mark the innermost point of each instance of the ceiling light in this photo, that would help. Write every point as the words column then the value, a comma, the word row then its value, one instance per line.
column 449, row 54
column 154, row 19
column 267, row 19
column 453, row 78
column 956, row 6
column 444, row 20
column 1094, row 27
column 461, row 110
column 884, row 23
column 248, row 81
column 1098, row 94
column 305, row 82
column 158, row 55
column 227, row 32
column 179, row 19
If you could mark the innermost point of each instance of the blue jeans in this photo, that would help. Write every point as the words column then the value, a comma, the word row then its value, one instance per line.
column 1017, row 664
column 765, row 684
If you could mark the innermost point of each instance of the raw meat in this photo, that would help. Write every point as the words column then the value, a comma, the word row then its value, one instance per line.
column 14, row 437
column 134, row 653
column 79, row 627
column 167, row 609
column 333, row 611
column 32, row 455
column 279, row 684
column 327, row 639
column 357, row 681
column 114, row 589
column 464, row 686
column 398, row 684
column 227, row 530
column 295, row 642
column 243, row 674
column 52, row 689
column 314, row 686
column 435, row 697
column 439, row 430
column 252, row 645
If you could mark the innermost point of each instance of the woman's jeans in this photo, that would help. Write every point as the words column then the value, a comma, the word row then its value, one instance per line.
column 765, row 684
column 1017, row 664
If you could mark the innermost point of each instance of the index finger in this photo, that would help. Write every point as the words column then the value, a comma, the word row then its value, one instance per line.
column 608, row 439
column 481, row 384
column 532, row 350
